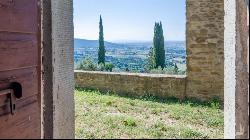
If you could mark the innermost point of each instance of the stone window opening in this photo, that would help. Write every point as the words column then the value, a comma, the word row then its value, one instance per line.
column 216, row 42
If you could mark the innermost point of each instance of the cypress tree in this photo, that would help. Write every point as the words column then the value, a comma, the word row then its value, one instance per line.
column 158, row 46
column 162, row 48
column 101, row 50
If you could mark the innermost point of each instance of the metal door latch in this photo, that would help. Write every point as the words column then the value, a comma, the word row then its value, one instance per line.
column 11, row 97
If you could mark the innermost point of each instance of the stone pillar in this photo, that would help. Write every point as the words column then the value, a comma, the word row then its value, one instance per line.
column 63, row 68
column 230, row 82
column 236, row 104
column 242, row 76
column 205, row 43
column 47, row 71
column 58, row 73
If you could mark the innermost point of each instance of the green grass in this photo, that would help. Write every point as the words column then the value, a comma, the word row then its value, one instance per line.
column 101, row 115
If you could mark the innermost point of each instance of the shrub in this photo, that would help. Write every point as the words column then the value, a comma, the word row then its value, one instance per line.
column 101, row 67
column 171, row 70
column 159, row 70
column 109, row 67
column 87, row 64
column 215, row 102
column 130, row 122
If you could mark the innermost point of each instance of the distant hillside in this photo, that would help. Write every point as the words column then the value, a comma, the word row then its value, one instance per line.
column 91, row 43
column 83, row 43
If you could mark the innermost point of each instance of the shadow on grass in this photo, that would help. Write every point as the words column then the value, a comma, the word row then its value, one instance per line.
column 213, row 103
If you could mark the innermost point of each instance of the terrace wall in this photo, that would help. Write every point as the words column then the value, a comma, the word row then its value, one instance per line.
column 133, row 84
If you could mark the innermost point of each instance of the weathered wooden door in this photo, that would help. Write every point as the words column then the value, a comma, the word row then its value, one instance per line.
column 20, row 113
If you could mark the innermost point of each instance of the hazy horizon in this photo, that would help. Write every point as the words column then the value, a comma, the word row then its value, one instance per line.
column 129, row 20
column 129, row 41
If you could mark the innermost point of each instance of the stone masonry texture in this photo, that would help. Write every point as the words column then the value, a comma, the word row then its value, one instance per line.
column 133, row 84
column 205, row 48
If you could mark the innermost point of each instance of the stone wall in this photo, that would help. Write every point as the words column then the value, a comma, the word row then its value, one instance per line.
column 205, row 48
column 133, row 84
column 63, row 68
column 58, row 69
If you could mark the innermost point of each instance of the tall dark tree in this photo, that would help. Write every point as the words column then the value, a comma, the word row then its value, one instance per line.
column 101, row 50
column 162, row 44
column 158, row 46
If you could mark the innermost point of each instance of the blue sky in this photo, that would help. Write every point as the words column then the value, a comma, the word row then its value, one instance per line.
column 129, row 20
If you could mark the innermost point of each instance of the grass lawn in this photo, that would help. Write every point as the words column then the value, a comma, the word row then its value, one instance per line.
column 109, row 116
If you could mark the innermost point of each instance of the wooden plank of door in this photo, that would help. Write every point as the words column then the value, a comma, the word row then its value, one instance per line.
column 20, row 62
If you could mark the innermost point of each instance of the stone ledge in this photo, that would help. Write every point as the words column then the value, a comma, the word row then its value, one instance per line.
column 132, row 74
column 133, row 84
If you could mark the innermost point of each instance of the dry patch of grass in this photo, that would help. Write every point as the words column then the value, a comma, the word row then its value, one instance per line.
column 109, row 116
